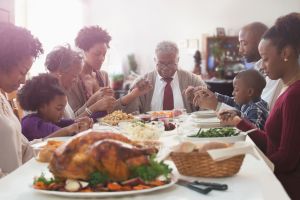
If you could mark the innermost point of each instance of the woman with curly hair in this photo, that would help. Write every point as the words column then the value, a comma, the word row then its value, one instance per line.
column 66, row 64
column 94, row 82
column 279, row 50
column 44, row 95
column 18, row 49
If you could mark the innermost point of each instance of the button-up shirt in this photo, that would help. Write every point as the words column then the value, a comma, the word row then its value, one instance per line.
column 158, row 94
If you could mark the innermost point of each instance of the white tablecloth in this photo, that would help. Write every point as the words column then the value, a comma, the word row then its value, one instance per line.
column 255, row 181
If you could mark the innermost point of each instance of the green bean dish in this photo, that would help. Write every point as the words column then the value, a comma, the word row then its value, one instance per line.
column 216, row 132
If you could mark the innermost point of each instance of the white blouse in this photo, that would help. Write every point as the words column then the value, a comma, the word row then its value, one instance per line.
column 69, row 113
column 14, row 147
column 158, row 93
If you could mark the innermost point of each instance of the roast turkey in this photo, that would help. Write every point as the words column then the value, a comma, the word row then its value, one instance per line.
column 111, row 153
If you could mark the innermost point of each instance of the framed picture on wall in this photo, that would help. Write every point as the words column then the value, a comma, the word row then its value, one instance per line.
column 220, row 32
column 4, row 15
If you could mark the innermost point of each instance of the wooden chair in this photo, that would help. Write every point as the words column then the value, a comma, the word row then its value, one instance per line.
column 12, row 99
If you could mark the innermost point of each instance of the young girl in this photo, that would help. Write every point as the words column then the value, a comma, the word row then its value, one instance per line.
column 43, row 95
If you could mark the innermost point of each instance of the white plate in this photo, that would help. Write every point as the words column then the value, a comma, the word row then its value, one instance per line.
column 43, row 143
column 106, row 194
column 204, row 114
column 152, row 131
column 98, row 127
column 161, row 113
column 229, row 139
column 212, row 120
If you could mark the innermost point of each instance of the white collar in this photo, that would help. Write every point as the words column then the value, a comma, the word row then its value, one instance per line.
column 161, row 78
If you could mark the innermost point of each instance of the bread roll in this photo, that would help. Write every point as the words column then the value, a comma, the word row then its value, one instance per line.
column 213, row 145
column 46, row 152
column 187, row 147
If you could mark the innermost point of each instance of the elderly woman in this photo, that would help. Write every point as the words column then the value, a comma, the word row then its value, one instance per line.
column 66, row 65
column 18, row 49
column 94, row 42
column 169, row 83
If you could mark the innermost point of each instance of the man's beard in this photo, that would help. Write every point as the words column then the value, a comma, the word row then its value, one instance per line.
column 250, row 59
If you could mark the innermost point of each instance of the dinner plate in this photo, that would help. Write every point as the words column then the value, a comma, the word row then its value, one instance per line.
column 229, row 139
column 161, row 113
column 107, row 127
column 106, row 194
column 43, row 143
column 140, row 131
column 212, row 120
column 204, row 114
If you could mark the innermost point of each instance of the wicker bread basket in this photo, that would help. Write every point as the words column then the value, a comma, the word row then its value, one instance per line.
column 201, row 164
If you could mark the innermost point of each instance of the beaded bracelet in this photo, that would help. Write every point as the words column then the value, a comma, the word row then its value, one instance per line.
column 88, row 111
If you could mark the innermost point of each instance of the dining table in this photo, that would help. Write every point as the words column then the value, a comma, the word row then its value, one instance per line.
column 254, row 181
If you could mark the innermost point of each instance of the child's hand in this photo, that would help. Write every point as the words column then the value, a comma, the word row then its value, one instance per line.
column 229, row 117
column 84, row 123
column 204, row 98
column 72, row 129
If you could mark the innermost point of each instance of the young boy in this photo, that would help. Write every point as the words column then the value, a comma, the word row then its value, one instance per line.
column 248, row 86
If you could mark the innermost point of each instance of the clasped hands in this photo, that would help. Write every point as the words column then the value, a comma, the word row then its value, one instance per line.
column 204, row 98
column 141, row 87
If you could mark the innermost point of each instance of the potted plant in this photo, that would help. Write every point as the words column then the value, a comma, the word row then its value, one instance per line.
column 132, row 63
column 117, row 81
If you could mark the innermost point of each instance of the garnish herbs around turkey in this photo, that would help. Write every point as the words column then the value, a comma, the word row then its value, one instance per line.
column 105, row 161
column 143, row 177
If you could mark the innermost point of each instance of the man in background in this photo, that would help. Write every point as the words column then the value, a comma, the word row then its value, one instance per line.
column 249, row 38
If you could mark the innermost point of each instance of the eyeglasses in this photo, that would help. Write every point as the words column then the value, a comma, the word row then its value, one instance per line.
column 159, row 64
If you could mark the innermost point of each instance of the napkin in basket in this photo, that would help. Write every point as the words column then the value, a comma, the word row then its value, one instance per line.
column 238, row 148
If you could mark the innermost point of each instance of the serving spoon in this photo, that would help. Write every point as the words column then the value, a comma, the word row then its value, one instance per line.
column 249, row 131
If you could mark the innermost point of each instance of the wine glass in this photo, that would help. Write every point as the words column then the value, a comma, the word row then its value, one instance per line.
column 179, row 117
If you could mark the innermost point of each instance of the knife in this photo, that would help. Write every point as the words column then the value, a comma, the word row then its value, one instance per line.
column 190, row 185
